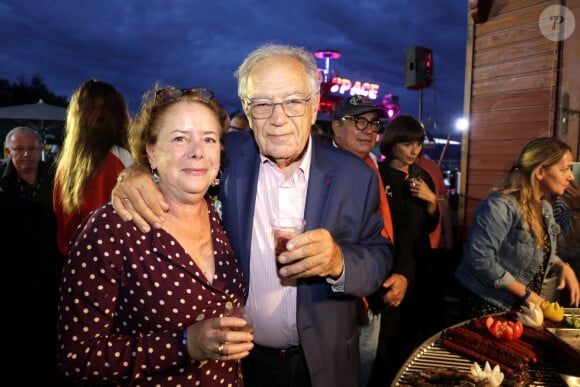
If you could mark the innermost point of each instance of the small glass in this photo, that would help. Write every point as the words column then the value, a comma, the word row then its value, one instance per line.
column 244, row 314
column 283, row 229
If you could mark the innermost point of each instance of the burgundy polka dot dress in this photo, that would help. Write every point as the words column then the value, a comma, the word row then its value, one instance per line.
column 125, row 297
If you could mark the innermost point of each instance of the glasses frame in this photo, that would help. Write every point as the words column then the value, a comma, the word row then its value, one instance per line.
column 22, row 150
column 170, row 93
column 376, row 125
column 273, row 105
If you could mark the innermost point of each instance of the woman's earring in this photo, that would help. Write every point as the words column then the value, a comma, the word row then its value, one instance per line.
column 155, row 176
column 216, row 181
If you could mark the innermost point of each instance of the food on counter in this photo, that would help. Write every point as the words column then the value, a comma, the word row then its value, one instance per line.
column 449, row 376
column 530, row 353
column 538, row 356
column 531, row 316
column 573, row 321
column 477, row 346
column 504, row 329
column 493, row 377
column 552, row 310
column 440, row 376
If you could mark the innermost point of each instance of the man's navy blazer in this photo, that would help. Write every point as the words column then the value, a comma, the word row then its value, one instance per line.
column 343, row 197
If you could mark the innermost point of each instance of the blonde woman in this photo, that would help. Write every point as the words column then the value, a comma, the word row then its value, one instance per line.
column 94, row 152
column 512, row 244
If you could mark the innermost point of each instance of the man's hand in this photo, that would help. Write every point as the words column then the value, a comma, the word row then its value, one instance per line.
column 136, row 197
column 312, row 253
column 397, row 285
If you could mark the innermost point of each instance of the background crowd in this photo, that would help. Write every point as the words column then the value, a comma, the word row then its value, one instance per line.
column 137, row 269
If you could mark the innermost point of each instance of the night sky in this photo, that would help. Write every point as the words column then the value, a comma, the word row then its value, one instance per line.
column 135, row 43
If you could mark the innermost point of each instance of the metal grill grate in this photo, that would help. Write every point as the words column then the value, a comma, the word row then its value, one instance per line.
column 431, row 355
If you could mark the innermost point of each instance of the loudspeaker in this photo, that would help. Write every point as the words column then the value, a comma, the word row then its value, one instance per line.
column 418, row 67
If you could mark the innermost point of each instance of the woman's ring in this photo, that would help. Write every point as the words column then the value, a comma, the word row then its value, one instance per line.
column 125, row 198
column 221, row 349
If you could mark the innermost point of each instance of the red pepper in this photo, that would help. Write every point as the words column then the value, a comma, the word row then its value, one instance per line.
column 504, row 329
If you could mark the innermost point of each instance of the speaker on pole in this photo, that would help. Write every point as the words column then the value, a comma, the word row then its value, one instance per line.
column 418, row 67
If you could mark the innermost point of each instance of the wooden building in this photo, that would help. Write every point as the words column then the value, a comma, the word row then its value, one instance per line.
column 521, row 83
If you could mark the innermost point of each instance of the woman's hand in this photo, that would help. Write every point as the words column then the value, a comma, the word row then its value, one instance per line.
column 219, row 338
column 136, row 197
column 568, row 279
column 421, row 190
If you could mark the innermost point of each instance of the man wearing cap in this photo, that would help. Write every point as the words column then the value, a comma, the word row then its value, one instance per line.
column 357, row 120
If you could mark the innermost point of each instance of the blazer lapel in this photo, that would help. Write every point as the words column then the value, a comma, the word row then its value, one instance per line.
column 322, row 174
column 243, row 190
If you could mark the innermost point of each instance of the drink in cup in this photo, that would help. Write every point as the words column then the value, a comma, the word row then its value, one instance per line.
column 244, row 314
column 283, row 229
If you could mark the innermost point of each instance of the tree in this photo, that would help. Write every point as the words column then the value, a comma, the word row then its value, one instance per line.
column 21, row 92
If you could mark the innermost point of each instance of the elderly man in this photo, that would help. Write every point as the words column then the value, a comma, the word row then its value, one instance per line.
column 305, row 314
column 357, row 120
column 24, row 173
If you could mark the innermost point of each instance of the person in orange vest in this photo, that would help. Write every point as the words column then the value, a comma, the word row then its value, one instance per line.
column 357, row 121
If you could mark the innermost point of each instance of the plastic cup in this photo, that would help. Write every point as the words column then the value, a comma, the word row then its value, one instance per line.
column 283, row 229
column 244, row 314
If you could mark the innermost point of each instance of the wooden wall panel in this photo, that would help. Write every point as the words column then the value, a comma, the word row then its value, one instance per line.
column 515, row 83
column 519, row 50
column 506, row 6
column 514, row 35
column 517, row 117
column 527, row 65
column 506, row 132
column 511, row 17
column 513, row 94
column 535, row 98
column 570, row 85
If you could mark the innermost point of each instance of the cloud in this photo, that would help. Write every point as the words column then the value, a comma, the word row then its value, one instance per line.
column 134, row 44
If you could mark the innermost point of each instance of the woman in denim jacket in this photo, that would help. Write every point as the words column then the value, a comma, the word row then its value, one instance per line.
column 513, row 239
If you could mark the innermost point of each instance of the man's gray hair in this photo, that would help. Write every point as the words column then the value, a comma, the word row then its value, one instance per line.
column 270, row 50
column 24, row 129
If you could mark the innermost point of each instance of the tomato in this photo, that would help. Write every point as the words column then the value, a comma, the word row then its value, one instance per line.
column 518, row 329
column 495, row 327
column 489, row 322
column 504, row 329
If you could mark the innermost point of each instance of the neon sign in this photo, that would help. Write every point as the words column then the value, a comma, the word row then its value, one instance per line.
column 343, row 86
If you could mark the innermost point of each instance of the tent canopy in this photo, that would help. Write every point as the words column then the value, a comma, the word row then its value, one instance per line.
column 39, row 116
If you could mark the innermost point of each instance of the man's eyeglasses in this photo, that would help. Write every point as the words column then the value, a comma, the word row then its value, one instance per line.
column 293, row 107
column 362, row 123
column 21, row 150
column 170, row 93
